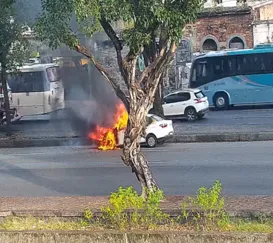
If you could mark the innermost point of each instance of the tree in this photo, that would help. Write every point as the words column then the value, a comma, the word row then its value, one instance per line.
column 148, row 19
column 13, row 48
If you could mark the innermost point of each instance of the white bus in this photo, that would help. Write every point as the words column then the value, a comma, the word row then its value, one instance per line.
column 36, row 89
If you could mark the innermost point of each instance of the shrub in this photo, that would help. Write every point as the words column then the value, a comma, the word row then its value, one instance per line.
column 207, row 209
column 128, row 210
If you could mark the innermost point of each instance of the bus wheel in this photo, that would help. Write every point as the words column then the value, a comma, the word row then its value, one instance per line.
column 221, row 101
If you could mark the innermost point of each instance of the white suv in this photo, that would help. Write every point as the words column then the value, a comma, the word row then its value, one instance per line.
column 189, row 103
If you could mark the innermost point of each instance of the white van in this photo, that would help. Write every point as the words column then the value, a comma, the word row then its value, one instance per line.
column 36, row 89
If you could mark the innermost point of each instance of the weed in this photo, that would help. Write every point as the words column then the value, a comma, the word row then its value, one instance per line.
column 31, row 223
column 128, row 210
column 207, row 209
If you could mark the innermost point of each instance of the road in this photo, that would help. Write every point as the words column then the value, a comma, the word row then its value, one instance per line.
column 257, row 120
column 243, row 168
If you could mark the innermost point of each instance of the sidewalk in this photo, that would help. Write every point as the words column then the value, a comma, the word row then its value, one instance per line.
column 242, row 206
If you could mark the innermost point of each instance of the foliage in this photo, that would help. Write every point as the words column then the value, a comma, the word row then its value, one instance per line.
column 128, row 210
column 63, row 22
column 32, row 223
column 13, row 45
column 145, row 17
column 207, row 208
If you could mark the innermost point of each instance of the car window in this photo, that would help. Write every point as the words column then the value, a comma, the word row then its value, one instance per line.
column 183, row 96
column 157, row 118
column 199, row 95
column 179, row 97
column 149, row 121
column 170, row 99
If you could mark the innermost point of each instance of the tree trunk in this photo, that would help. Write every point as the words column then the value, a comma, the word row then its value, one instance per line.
column 158, row 101
column 6, row 97
column 132, row 156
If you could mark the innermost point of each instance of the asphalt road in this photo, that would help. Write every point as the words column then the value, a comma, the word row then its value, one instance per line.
column 243, row 168
column 251, row 120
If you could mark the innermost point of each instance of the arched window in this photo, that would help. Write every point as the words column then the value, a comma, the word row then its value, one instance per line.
column 236, row 42
column 209, row 45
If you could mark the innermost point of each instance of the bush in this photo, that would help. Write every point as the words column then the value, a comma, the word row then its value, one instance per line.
column 128, row 210
column 206, row 209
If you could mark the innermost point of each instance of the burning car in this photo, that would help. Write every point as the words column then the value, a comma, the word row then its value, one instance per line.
column 110, row 138
column 157, row 132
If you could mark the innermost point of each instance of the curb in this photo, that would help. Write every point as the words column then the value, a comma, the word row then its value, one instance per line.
column 225, row 137
column 189, row 138
column 42, row 142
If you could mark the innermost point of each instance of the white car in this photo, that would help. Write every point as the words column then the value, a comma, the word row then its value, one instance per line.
column 158, row 130
column 189, row 103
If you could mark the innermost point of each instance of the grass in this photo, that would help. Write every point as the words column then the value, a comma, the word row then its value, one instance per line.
column 252, row 226
column 31, row 223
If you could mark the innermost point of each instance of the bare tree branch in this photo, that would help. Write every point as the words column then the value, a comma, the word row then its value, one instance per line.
column 118, row 46
column 166, row 58
column 150, row 68
column 86, row 52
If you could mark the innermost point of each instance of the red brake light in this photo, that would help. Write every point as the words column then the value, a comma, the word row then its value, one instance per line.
column 197, row 101
column 163, row 125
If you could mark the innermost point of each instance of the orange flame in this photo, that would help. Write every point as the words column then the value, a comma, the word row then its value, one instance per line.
column 106, row 138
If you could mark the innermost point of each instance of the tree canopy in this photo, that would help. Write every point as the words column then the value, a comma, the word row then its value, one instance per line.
column 13, row 45
column 143, row 21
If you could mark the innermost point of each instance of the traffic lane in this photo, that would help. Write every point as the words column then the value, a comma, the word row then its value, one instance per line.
column 227, row 121
column 237, row 117
column 243, row 168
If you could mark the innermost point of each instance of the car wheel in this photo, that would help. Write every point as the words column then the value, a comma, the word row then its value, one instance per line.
column 151, row 141
column 221, row 101
column 191, row 114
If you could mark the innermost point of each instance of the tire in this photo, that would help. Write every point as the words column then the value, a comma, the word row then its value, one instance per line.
column 200, row 116
column 191, row 114
column 221, row 101
column 151, row 141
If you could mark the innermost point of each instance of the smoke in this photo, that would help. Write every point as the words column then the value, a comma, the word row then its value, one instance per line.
column 90, row 100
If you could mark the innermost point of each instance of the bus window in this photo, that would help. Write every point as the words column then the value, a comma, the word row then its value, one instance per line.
column 53, row 74
column 223, row 67
column 25, row 82
column 200, row 73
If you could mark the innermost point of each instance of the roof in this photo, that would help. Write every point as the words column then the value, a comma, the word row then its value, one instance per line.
column 183, row 90
column 220, row 11
column 261, row 4
column 37, row 67
column 261, row 48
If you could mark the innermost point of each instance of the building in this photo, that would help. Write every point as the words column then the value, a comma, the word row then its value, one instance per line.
column 221, row 28
column 263, row 22
column 224, row 24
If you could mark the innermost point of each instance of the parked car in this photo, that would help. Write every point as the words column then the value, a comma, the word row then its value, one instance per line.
column 157, row 132
column 190, row 103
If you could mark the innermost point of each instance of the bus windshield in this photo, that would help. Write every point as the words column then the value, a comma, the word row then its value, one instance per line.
column 23, row 82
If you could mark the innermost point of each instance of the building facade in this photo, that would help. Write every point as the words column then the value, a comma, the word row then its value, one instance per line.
column 221, row 28
column 263, row 22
